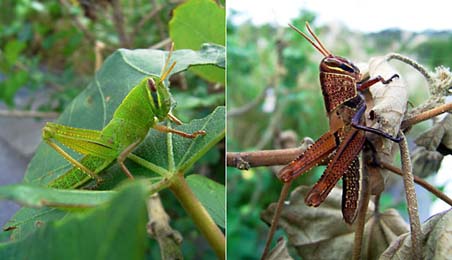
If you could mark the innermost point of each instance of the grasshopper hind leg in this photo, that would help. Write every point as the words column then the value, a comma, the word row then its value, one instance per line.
column 166, row 129
column 72, row 160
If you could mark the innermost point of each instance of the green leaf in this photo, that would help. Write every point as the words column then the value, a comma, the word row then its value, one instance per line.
column 107, row 232
column 94, row 108
column 12, row 51
column 196, row 22
column 11, row 85
column 211, row 194
column 33, row 196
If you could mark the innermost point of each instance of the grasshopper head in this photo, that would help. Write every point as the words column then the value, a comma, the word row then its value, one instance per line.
column 336, row 64
column 160, row 97
column 331, row 63
column 338, row 76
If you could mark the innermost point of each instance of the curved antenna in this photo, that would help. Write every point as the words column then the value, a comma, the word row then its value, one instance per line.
column 165, row 72
column 319, row 46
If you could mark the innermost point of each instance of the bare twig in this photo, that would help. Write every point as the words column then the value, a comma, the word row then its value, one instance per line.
column 413, row 63
column 144, row 20
column 118, row 20
column 362, row 210
column 28, row 114
column 274, row 224
column 426, row 115
column 412, row 204
column 161, row 44
column 420, row 182
column 158, row 227
column 263, row 158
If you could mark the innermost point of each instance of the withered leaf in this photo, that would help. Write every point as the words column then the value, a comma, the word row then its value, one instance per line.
column 280, row 251
column 321, row 233
column 433, row 144
column 436, row 240
column 389, row 102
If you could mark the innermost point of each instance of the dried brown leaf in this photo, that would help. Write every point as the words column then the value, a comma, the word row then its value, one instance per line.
column 432, row 146
column 436, row 240
column 321, row 233
column 280, row 251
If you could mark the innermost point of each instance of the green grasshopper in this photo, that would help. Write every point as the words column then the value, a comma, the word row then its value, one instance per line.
column 150, row 100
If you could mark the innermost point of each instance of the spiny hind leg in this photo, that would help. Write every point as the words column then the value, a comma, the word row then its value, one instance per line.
column 72, row 160
column 123, row 155
column 166, row 129
column 69, row 136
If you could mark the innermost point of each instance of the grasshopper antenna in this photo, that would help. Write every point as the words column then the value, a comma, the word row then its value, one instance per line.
column 284, row 191
column 317, row 43
column 165, row 71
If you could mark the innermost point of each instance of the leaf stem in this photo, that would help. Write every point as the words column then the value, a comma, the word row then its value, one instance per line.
column 412, row 204
column 361, row 217
column 199, row 215
column 169, row 144
column 148, row 165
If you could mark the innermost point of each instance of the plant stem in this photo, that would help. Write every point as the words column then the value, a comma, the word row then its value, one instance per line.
column 440, row 195
column 148, row 165
column 412, row 204
column 361, row 217
column 426, row 115
column 284, row 192
column 199, row 215
column 263, row 158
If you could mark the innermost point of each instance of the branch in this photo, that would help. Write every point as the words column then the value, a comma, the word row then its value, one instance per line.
column 27, row 114
column 249, row 106
column 144, row 20
column 199, row 215
column 413, row 63
column 246, row 160
column 158, row 227
column 419, row 181
column 415, row 225
column 426, row 115
column 161, row 43
column 282, row 197
column 361, row 217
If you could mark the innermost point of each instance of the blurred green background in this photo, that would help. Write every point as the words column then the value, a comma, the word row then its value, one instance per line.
column 273, row 87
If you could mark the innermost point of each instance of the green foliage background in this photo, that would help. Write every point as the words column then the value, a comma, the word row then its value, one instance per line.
column 253, row 69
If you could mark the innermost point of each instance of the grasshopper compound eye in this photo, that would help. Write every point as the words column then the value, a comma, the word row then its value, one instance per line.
column 151, row 85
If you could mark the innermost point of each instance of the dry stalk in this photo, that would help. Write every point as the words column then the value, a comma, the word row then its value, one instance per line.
column 412, row 204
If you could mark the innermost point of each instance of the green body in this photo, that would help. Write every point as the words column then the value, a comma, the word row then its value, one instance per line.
column 138, row 112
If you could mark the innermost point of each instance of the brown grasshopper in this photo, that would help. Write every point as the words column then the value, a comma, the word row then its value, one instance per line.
column 341, row 85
